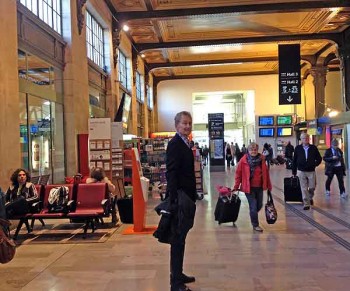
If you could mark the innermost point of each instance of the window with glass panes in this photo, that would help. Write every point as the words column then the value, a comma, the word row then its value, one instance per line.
column 139, row 87
column 124, row 71
column 49, row 11
column 94, row 40
column 150, row 97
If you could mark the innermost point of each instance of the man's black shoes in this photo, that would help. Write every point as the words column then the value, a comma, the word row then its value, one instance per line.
column 306, row 208
column 311, row 202
column 187, row 279
column 180, row 288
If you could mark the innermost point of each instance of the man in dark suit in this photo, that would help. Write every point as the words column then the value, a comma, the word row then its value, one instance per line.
column 180, row 175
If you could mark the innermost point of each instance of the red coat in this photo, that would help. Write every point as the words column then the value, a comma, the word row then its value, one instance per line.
column 242, row 181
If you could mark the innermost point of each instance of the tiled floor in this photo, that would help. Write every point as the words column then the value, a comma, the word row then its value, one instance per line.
column 304, row 250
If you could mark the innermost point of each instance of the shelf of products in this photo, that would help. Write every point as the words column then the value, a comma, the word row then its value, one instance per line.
column 117, row 163
column 198, row 171
column 100, row 155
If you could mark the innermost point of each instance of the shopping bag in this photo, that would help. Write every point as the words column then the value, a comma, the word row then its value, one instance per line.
column 270, row 209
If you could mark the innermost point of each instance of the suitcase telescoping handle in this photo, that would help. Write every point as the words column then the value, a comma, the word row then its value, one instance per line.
column 234, row 193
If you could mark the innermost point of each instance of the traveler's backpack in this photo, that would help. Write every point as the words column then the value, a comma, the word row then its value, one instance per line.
column 7, row 245
column 58, row 199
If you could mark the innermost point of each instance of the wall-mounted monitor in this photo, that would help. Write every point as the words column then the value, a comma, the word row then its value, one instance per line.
column 336, row 131
column 284, row 120
column 266, row 120
column 266, row 132
column 284, row 131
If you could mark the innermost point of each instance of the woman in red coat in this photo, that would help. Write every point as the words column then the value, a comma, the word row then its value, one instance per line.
column 252, row 178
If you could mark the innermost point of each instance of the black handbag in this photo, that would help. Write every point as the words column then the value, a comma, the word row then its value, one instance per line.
column 270, row 209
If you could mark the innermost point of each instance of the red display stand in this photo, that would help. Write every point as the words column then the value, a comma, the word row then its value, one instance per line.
column 139, row 204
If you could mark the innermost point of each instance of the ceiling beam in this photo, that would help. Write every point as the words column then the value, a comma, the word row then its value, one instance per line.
column 242, row 9
column 336, row 37
column 182, row 77
column 153, row 66
column 210, row 62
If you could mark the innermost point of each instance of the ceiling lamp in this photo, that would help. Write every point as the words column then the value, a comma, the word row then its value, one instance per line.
column 126, row 27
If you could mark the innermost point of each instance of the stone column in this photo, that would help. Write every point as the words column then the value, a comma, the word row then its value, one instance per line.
column 145, row 107
column 10, row 157
column 76, row 85
column 133, row 129
column 344, row 56
column 319, row 73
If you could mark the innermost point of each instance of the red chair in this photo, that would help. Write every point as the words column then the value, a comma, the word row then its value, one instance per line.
column 92, row 203
column 44, row 213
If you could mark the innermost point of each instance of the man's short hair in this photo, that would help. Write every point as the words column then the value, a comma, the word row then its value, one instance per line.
column 304, row 135
column 179, row 115
column 335, row 142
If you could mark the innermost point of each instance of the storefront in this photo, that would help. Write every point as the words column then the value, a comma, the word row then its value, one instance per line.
column 41, row 117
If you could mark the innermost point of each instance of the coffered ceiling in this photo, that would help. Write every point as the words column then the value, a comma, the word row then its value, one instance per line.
column 205, row 38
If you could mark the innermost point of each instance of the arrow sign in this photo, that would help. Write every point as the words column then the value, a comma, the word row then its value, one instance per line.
column 289, row 74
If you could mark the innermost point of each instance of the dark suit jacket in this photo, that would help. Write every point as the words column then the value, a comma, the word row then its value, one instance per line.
column 330, row 162
column 180, row 169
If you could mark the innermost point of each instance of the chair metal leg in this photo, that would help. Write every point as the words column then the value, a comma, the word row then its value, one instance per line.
column 42, row 221
column 87, row 223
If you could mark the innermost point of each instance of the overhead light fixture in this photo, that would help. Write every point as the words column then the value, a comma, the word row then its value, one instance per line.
column 126, row 27
column 333, row 113
column 143, row 56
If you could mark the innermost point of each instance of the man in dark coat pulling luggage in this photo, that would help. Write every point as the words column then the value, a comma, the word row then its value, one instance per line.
column 306, row 159
column 180, row 176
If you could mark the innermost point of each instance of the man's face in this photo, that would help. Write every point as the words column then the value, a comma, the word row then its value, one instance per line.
column 184, row 127
column 305, row 140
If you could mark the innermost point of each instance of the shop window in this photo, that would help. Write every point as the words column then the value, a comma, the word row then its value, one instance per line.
column 124, row 71
column 49, row 11
column 94, row 41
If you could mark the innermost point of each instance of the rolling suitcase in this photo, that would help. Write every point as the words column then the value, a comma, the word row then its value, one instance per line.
column 227, row 208
column 292, row 190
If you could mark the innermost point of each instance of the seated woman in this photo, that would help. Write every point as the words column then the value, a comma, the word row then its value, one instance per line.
column 97, row 175
column 21, row 195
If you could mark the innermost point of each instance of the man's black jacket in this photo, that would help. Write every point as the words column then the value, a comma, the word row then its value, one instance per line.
column 306, row 165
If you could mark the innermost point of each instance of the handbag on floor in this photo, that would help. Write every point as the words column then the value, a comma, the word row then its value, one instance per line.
column 270, row 209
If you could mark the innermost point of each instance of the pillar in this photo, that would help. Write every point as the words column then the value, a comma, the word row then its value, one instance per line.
column 10, row 156
column 319, row 73
column 76, row 86
column 344, row 56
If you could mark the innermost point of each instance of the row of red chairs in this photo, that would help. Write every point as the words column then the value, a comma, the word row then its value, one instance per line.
column 87, row 202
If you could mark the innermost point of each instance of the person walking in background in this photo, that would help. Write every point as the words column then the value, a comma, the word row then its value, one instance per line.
column 288, row 155
column 335, row 165
column 180, row 181
column 252, row 177
column 244, row 149
column 228, row 154
column 306, row 159
column 205, row 154
column 267, row 154
column 237, row 153
column 233, row 152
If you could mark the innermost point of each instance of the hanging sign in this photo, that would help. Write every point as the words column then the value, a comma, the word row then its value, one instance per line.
column 289, row 74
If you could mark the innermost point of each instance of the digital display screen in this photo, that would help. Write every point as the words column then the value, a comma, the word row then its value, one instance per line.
column 336, row 131
column 266, row 120
column 284, row 131
column 284, row 120
column 266, row 132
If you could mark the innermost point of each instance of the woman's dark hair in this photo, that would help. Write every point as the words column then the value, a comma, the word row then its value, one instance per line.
column 98, row 174
column 14, row 176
